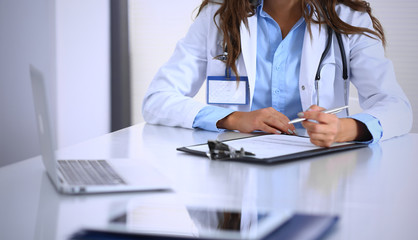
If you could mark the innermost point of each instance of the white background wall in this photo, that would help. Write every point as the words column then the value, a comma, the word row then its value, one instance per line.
column 83, row 70
column 156, row 26
column 69, row 41
column 400, row 21
column 27, row 31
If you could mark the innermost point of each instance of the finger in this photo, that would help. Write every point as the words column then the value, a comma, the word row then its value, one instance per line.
column 280, row 121
column 320, row 134
column 309, row 126
column 288, row 128
column 268, row 129
column 315, row 108
column 323, row 137
column 283, row 127
column 313, row 127
column 320, row 117
column 321, row 143
column 323, row 131
column 310, row 112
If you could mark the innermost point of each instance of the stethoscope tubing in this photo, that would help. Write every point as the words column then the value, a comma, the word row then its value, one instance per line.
column 344, row 63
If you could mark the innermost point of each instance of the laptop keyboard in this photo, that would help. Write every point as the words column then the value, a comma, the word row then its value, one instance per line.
column 89, row 172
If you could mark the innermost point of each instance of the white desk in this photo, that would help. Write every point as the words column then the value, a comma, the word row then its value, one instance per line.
column 374, row 190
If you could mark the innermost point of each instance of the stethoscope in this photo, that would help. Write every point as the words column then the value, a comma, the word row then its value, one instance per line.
column 344, row 62
column 224, row 56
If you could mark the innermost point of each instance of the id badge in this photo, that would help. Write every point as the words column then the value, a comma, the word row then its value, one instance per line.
column 225, row 90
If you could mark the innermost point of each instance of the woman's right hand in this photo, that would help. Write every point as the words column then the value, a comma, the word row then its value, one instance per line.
column 267, row 120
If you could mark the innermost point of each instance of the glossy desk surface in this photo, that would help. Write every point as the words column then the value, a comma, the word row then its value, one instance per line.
column 374, row 190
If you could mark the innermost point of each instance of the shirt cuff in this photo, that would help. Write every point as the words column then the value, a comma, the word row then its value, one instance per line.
column 372, row 124
column 208, row 117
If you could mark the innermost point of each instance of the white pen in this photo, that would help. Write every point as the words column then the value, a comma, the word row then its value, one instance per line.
column 331, row 111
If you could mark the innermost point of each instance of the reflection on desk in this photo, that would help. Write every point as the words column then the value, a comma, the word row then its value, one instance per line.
column 327, row 181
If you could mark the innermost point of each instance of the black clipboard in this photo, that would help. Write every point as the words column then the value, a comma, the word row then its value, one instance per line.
column 278, row 158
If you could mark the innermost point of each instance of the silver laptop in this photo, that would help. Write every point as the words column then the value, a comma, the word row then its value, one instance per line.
column 77, row 176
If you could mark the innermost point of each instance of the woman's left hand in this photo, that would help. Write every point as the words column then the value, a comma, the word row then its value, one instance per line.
column 325, row 130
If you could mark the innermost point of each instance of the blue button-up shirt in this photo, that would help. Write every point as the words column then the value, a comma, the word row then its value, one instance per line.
column 278, row 64
column 277, row 77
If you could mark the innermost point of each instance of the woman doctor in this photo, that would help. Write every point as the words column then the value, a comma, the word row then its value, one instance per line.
column 262, row 60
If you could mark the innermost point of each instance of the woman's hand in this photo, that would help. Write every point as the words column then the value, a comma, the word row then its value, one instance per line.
column 328, row 128
column 267, row 120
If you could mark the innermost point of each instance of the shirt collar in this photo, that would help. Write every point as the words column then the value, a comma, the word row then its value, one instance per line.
column 260, row 10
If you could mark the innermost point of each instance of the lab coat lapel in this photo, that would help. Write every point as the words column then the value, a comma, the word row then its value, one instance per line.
column 311, row 55
column 249, row 51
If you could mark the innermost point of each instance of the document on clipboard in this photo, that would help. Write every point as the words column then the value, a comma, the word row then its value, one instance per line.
column 272, row 148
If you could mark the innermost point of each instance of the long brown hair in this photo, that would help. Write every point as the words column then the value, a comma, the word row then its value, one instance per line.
column 234, row 12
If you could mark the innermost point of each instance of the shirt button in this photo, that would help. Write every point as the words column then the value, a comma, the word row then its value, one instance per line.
column 303, row 87
column 276, row 91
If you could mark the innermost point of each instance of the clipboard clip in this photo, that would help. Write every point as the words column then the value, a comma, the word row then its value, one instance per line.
column 219, row 151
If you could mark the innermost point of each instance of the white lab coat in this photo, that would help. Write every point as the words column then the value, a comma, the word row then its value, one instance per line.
column 169, row 99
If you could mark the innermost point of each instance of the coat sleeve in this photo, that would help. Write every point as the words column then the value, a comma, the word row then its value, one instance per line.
column 169, row 99
column 373, row 75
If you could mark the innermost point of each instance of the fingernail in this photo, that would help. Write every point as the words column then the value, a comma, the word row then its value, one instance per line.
column 290, row 131
column 278, row 132
column 301, row 114
column 294, row 131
